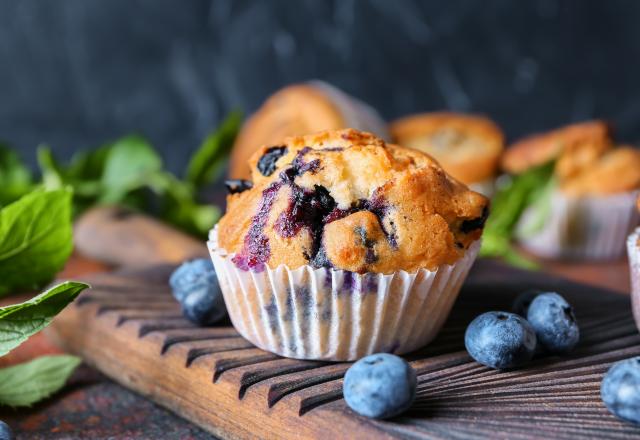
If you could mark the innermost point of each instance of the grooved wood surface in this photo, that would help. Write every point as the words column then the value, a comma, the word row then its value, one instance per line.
column 130, row 328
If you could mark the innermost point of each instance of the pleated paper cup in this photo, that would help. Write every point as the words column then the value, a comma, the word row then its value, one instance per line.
column 633, row 250
column 593, row 228
column 336, row 315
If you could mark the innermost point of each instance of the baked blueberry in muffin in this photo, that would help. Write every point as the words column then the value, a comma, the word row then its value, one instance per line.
column 347, row 200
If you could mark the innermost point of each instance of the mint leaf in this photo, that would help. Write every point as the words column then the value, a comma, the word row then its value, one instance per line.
column 19, row 321
column 128, row 166
column 27, row 383
column 208, row 160
column 52, row 175
column 35, row 239
column 510, row 201
column 15, row 177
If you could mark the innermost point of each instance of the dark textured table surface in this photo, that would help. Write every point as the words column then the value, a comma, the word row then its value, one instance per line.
column 93, row 407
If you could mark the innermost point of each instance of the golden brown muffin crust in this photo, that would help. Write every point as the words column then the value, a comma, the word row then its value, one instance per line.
column 617, row 171
column 345, row 199
column 467, row 146
column 592, row 137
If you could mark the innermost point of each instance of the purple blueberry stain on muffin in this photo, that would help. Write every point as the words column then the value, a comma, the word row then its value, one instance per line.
column 256, row 251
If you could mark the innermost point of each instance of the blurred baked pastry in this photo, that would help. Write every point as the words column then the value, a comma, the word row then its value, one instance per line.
column 300, row 109
column 586, row 206
column 467, row 146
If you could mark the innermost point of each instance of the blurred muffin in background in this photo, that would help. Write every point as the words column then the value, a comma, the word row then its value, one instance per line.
column 585, row 207
column 633, row 249
column 467, row 146
column 301, row 109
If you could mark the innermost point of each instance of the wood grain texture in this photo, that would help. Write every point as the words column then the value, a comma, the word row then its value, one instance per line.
column 214, row 378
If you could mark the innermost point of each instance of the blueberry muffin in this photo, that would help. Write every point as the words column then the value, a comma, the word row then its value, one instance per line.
column 467, row 146
column 586, row 207
column 300, row 109
column 343, row 245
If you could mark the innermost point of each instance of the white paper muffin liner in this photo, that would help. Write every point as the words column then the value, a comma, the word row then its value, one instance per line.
column 633, row 250
column 336, row 315
column 356, row 113
column 592, row 228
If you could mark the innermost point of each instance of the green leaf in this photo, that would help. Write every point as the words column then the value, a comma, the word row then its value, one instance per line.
column 511, row 200
column 19, row 321
column 179, row 206
column 15, row 177
column 28, row 383
column 128, row 166
column 35, row 239
column 52, row 175
column 89, row 165
column 207, row 161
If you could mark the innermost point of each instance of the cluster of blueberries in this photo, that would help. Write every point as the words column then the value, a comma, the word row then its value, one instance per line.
column 384, row 385
column 506, row 340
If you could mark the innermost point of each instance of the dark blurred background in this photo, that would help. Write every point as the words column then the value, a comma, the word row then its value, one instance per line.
column 74, row 73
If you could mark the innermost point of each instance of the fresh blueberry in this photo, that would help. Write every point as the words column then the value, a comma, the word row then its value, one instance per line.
column 555, row 324
column 380, row 386
column 5, row 431
column 500, row 340
column 195, row 286
column 191, row 275
column 204, row 305
column 620, row 389
column 523, row 301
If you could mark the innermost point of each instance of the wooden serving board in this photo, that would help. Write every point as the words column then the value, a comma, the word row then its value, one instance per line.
column 129, row 327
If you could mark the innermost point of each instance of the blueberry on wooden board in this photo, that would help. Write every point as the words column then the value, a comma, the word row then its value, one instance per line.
column 500, row 340
column 380, row 386
column 620, row 389
column 195, row 286
column 5, row 431
column 267, row 163
column 553, row 320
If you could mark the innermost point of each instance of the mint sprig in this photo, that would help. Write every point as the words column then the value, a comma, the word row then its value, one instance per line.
column 531, row 188
column 130, row 172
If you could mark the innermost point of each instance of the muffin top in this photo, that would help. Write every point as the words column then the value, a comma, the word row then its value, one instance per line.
column 296, row 110
column 587, row 161
column 576, row 142
column 616, row 171
column 467, row 146
column 346, row 200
